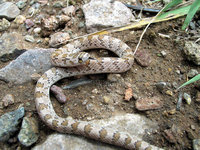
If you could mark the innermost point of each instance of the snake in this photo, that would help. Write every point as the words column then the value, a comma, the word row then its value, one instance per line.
column 73, row 60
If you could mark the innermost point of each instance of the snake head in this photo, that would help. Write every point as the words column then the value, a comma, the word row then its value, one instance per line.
column 83, row 57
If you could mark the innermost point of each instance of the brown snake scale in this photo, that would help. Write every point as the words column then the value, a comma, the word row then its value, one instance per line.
column 70, row 55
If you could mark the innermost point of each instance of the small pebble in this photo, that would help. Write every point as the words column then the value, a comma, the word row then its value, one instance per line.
column 19, row 19
column 58, row 4
column 112, row 77
column 180, row 99
column 178, row 71
column 21, row 4
column 187, row 97
column 192, row 25
column 84, row 102
column 169, row 92
column 169, row 136
column 106, row 99
column 163, row 53
column 128, row 94
column 198, row 97
column 192, row 73
column 172, row 112
column 37, row 30
column 42, row 1
column 95, row 91
column 175, row 85
column 35, row 76
column 161, row 86
column 70, row 10
column 29, row 23
column 148, row 103
column 8, row 100
column 89, row 106
column 192, row 127
column 81, row 24
column 58, row 92
column 29, row 38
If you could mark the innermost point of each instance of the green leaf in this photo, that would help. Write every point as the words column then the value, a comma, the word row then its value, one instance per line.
column 193, row 9
column 194, row 79
column 179, row 11
column 171, row 4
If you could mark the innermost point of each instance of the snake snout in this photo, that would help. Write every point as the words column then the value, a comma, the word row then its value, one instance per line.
column 83, row 57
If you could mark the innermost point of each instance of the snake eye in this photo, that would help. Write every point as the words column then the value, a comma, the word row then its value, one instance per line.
column 80, row 60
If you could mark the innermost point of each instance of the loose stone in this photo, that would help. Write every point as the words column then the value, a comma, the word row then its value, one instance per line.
column 169, row 92
column 29, row 38
column 58, row 92
column 4, row 24
column 163, row 53
column 100, row 14
column 29, row 23
column 21, row 4
column 143, row 58
column 128, row 94
column 106, row 99
column 58, row 4
column 37, row 30
column 148, row 103
column 70, row 10
column 187, row 97
column 192, row 73
column 112, row 77
column 192, row 52
column 8, row 100
column 29, row 131
column 19, row 19
column 9, row 10
column 9, row 123
column 169, row 136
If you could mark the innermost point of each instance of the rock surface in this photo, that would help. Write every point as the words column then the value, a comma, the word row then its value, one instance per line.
column 11, row 45
column 101, row 14
column 9, row 10
column 32, row 61
column 134, row 124
column 29, row 131
column 192, row 52
column 9, row 123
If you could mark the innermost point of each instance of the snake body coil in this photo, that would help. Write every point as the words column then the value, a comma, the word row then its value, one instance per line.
column 61, row 57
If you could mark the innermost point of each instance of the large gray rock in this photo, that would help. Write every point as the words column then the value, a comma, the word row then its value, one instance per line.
column 29, row 131
column 11, row 45
column 9, row 123
column 9, row 10
column 100, row 14
column 192, row 52
column 32, row 61
column 133, row 124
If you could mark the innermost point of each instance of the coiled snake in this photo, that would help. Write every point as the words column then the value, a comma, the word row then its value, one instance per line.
column 71, row 55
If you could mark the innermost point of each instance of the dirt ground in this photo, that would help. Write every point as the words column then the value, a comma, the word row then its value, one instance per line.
column 184, row 123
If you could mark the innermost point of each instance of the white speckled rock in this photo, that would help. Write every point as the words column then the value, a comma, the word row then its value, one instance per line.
column 134, row 124
column 192, row 52
column 100, row 14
